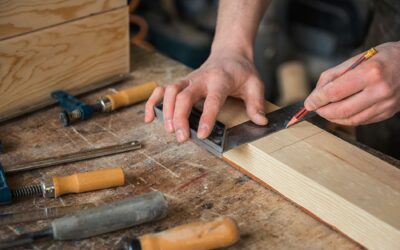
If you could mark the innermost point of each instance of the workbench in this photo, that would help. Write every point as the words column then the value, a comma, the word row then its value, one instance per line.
column 197, row 184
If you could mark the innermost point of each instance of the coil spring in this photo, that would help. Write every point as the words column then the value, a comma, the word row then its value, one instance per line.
column 27, row 191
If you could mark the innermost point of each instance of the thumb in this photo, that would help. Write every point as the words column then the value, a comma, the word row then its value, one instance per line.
column 255, row 105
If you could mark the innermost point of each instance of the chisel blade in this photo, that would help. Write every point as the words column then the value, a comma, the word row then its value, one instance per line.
column 41, row 214
column 249, row 131
column 73, row 157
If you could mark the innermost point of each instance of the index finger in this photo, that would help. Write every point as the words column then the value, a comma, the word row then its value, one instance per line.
column 183, row 106
column 212, row 106
column 154, row 99
column 349, row 84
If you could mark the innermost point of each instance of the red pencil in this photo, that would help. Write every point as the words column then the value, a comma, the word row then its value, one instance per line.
column 303, row 111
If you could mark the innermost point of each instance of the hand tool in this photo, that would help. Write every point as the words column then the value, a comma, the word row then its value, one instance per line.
column 303, row 111
column 76, row 183
column 78, row 110
column 4, row 116
column 223, row 139
column 99, row 220
column 41, row 214
column 73, row 157
column 221, row 232
column 5, row 192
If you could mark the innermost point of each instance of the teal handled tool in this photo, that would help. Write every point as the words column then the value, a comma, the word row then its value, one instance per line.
column 75, row 109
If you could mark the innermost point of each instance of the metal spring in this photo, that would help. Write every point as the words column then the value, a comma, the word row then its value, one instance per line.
column 27, row 191
column 75, row 115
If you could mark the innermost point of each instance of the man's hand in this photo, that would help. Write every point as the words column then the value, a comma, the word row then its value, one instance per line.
column 367, row 94
column 222, row 75
column 229, row 71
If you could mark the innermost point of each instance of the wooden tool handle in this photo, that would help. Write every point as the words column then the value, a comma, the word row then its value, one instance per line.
column 131, row 95
column 205, row 235
column 89, row 181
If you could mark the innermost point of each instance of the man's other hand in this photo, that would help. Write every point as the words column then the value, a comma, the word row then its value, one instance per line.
column 367, row 94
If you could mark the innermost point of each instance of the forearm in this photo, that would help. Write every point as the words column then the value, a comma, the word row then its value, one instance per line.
column 237, row 25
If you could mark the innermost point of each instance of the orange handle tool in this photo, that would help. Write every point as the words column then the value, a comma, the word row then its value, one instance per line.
column 88, row 181
column 131, row 95
column 204, row 235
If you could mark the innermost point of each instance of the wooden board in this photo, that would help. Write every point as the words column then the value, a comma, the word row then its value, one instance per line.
column 70, row 56
column 21, row 16
column 349, row 189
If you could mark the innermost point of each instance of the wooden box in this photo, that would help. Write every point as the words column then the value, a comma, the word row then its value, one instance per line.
column 45, row 45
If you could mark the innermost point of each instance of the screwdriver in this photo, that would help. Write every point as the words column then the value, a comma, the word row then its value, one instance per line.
column 76, row 183
column 204, row 235
column 112, row 102
column 99, row 220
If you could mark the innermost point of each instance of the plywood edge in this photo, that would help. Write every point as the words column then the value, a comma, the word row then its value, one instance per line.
column 44, row 14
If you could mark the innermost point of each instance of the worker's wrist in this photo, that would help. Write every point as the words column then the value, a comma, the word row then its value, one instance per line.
column 239, row 48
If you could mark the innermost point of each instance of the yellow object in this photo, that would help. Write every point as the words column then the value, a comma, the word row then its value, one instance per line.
column 203, row 235
column 131, row 95
column 370, row 53
column 89, row 181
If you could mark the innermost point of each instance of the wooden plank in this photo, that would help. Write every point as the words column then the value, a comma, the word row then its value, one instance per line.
column 349, row 189
column 71, row 56
column 21, row 16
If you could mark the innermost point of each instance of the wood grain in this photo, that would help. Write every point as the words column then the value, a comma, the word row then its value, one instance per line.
column 340, row 184
column 21, row 16
column 70, row 56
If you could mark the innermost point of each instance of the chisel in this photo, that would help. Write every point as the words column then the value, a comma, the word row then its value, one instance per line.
column 204, row 235
column 99, row 220
column 75, row 183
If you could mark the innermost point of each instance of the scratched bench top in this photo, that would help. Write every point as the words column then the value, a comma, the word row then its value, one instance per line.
column 197, row 184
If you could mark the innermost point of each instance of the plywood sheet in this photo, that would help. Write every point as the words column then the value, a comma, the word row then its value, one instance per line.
column 70, row 56
column 21, row 16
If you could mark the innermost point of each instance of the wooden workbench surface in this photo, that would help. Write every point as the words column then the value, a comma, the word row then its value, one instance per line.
column 197, row 184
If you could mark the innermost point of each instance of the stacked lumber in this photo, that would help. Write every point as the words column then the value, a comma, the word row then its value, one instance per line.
column 46, row 45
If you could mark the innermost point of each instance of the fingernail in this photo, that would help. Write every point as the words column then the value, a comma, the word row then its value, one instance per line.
column 261, row 118
column 146, row 116
column 203, row 131
column 169, row 126
column 261, row 112
column 181, row 135
column 309, row 104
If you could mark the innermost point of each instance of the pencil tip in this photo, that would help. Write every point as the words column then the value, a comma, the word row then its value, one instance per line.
column 291, row 122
